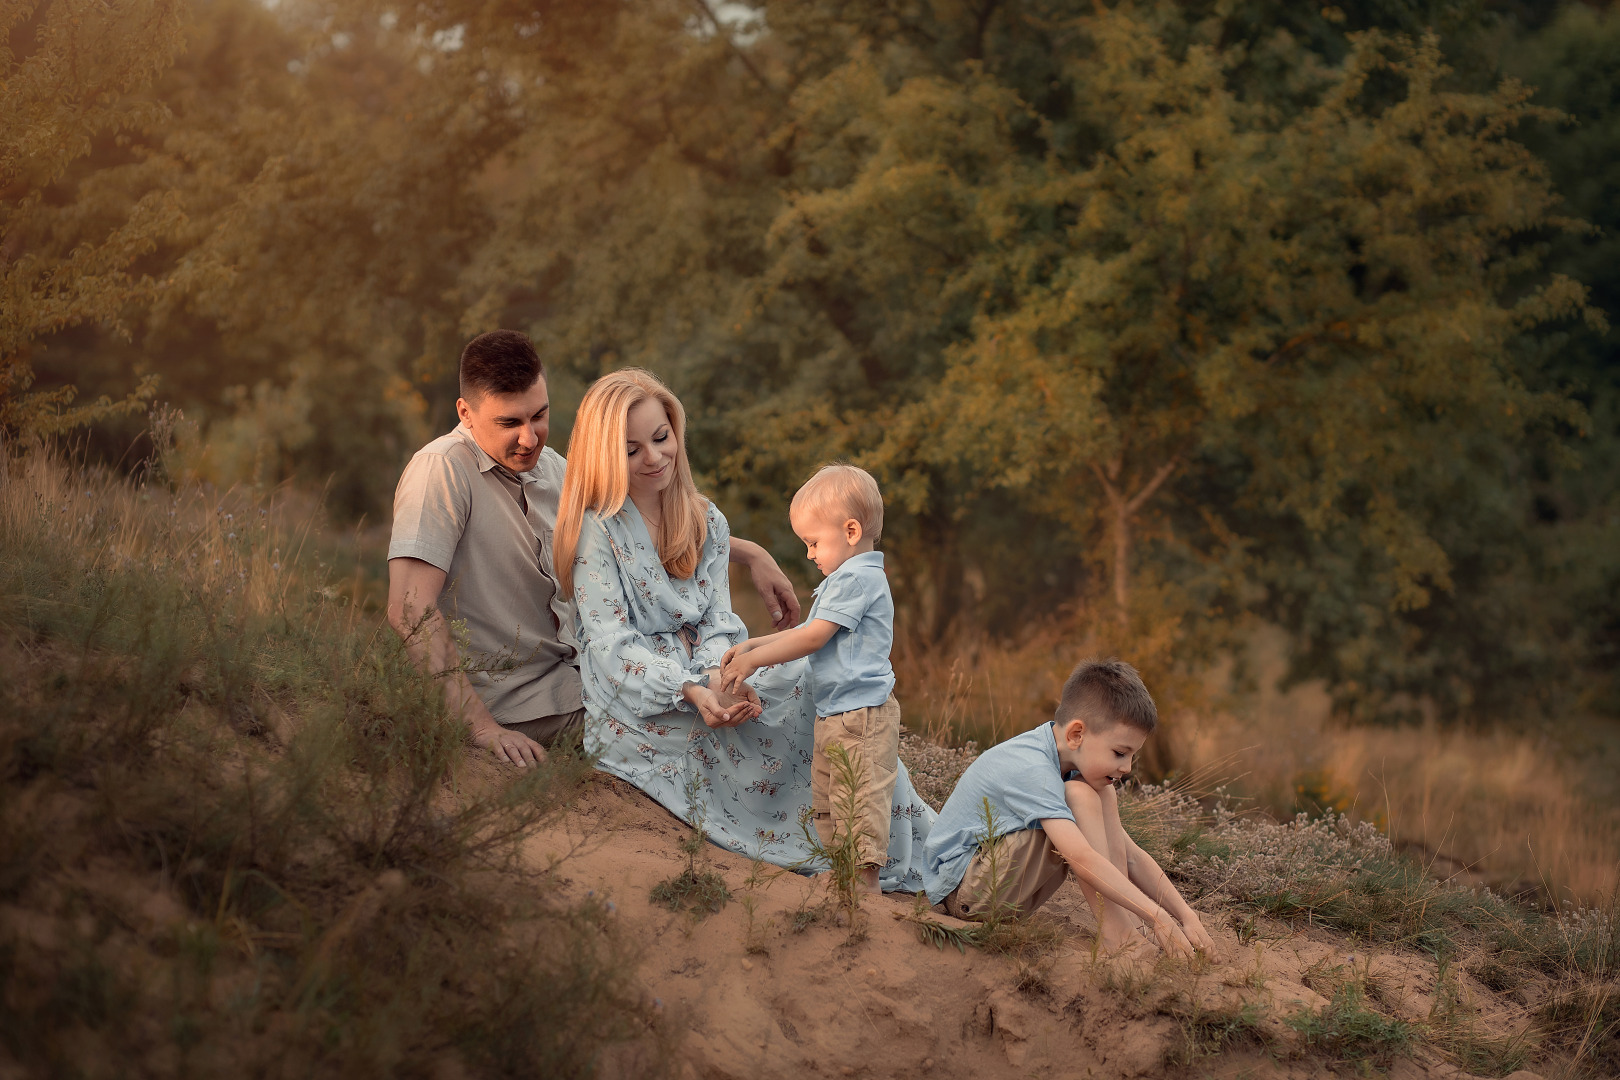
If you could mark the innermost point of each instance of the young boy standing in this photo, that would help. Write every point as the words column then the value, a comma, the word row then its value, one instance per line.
column 847, row 636
column 1051, row 793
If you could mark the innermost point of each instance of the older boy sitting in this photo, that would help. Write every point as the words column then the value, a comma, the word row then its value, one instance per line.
column 1051, row 794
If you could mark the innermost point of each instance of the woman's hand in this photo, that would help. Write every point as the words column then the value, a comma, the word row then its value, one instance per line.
column 742, row 697
column 715, row 712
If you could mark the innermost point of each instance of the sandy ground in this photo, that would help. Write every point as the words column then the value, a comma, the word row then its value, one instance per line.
column 754, row 997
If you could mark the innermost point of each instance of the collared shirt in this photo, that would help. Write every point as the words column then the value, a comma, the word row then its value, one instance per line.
column 1023, row 780
column 490, row 530
column 852, row 670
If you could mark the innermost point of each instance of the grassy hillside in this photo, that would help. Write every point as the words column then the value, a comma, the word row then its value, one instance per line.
column 239, row 836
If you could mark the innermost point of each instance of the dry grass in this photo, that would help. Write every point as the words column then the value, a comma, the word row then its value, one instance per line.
column 1532, row 811
column 1522, row 811
column 238, row 833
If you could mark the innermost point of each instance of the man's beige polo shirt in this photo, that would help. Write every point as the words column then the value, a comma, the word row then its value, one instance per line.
column 459, row 510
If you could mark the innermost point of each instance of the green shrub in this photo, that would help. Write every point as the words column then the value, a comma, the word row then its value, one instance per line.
column 198, row 721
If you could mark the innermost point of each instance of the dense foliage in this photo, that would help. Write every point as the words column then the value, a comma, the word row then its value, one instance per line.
column 1161, row 314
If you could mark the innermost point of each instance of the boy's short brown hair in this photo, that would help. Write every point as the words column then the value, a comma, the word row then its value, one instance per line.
column 1107, row 692
column 847, row 489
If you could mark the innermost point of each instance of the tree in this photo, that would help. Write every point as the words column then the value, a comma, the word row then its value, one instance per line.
column 1251, row 342
column 72, row 72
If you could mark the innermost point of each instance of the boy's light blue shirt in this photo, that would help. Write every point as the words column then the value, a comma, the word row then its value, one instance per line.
column 1023, row 780
column 852, row 670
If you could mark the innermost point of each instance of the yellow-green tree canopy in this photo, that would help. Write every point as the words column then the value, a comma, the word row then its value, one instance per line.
column 1175, row 311
column 72, row 71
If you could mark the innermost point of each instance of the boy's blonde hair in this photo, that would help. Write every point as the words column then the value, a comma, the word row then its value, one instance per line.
column 847, row 490
column 598, row 476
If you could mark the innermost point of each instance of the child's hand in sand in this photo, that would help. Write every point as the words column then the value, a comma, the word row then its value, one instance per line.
column 1193, row 927
column 1170, row 936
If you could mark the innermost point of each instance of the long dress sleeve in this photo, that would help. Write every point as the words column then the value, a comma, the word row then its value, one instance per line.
column 621, row 670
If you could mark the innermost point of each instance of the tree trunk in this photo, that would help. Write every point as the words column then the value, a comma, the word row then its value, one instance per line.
column 1123, row 508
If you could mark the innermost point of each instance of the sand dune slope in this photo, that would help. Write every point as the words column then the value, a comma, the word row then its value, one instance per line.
column 754, row 992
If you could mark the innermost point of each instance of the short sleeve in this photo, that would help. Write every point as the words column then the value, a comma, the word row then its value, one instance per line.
column 1030, row 803
column 431, row 506
column 844, row 598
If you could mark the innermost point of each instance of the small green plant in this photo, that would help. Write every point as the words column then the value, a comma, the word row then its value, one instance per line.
column 697, row 891
column 1256, row 978
column 842, row 857
column 1348, row 1031
column 753, row 930
column 1207, row 1032
column 844, row 854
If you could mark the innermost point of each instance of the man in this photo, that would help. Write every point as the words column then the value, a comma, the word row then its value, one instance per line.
column 471, row 558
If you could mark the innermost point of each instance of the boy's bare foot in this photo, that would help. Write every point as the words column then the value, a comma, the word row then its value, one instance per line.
column 868, row 880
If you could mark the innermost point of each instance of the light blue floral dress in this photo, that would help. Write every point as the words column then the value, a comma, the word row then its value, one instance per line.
column 748, row 786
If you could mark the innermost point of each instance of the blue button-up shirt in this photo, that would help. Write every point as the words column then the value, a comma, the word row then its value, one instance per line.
column 852, row 670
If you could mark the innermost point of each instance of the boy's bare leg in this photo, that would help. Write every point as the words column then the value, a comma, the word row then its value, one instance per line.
column 869, row 879
column 1119, row 928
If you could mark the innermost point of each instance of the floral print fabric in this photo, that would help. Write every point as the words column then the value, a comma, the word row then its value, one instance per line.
column 748, row 786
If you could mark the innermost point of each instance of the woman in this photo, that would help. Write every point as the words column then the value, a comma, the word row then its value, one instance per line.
column 644, row 556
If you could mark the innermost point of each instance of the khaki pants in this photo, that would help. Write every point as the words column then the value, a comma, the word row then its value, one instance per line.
column 1030, row 869
column 552, row 729
column 872, row 739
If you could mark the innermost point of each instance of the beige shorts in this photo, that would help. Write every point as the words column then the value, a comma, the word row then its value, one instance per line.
column 1030, row 870
column 872, row 739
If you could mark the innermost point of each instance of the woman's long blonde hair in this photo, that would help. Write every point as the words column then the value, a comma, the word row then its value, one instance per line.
column 598, row 476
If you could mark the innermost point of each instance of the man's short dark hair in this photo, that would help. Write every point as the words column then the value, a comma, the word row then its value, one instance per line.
column 499, row 362
column 1107, row 692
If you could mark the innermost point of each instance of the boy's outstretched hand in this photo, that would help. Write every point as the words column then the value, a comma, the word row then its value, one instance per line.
column 735, row 667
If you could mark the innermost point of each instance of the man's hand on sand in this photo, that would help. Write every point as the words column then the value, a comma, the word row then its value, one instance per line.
column 510, row 746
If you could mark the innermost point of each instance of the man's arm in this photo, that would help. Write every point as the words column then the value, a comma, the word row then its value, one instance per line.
column 1156, row 884
column 774, row 587
column 413, row 594
column 1093, row 866
column 745, row 658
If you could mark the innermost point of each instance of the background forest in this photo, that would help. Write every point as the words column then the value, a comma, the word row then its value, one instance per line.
column 1169, row 328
